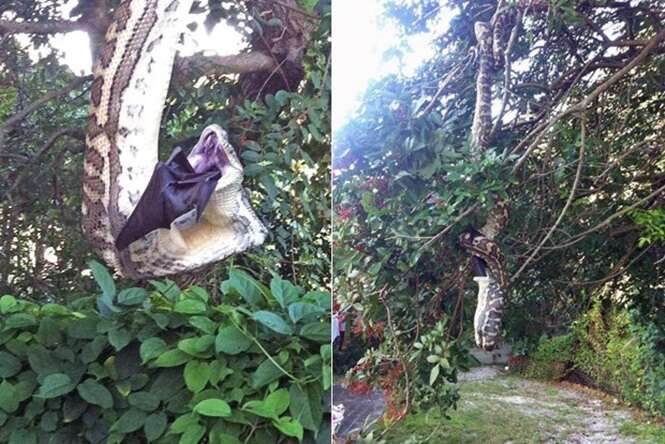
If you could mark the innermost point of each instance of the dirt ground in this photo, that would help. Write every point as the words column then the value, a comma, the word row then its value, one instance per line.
column 497, row 408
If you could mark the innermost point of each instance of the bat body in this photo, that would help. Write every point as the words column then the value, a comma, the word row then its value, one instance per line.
column 175, row 188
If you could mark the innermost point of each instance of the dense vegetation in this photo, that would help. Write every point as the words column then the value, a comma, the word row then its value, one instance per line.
column 239, row 354
column 577, row 151
column 281, row 133
column 167, row 365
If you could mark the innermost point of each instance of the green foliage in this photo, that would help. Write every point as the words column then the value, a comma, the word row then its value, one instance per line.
column 653, row 223
column 623, row 354
column 552, row 357
column 167, row 366
column 438, row 361
column 613, row 347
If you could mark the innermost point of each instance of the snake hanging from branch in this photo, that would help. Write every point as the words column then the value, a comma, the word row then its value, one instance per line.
column 488, row 260
column 194, row 210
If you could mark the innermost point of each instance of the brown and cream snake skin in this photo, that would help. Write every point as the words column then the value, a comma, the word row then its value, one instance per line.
column 492, row 38
column 131, row 81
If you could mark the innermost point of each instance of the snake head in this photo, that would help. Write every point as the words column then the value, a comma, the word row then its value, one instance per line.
column 214, row 150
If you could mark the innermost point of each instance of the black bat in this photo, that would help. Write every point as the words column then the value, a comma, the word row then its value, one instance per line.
column 175, row 188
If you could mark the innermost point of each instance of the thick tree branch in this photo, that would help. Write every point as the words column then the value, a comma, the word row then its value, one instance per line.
column 232, row 64
column 43, row 27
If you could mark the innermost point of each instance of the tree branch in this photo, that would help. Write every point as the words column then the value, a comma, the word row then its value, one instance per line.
column 565, row 207
column 232, row 64
column 44, row 27
column 538, row 134
column 607, row 221
column 16, row 118
column 75, row 133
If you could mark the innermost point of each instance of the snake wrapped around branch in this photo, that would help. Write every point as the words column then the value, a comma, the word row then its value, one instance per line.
column 487, row 258
column 182, row 214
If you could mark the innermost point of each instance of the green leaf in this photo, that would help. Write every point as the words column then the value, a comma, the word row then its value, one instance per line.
column 151, row 348
column 190, row 306
column 253, row 169
column 9, row 365
column 284, row 291
column 250, row 156
column 306, row 406
column 54, row 385
column 8, row 304
column 259, row 408
column 119, row 337
column 145, row 401
column 289, row 427
column 49, row 422
column 197, row 292
column 95, row 393
column 168, row 288
column 272, row 321
column 197, row 346
column 183, row 422
column 246, row 286
column 204, row 324
column 103, row 278
column 278, row 401
column 266, row 373
column 23, row 437
column 434, row 374
column 20, row 320
column 132, row 296
column 301, row 310
column 317, row 331
column 93, row 349
column 231, row 341
column 172, row 358
column 192, row 434
column 155, row 425
column 130, row 421
column 213, row 407
column 197, row 375
column 8, row 400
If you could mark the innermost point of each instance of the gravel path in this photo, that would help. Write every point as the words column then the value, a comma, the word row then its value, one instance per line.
column 561, row 413
column 569, row 413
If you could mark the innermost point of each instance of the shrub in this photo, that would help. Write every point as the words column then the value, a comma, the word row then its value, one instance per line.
column 552, row 357
column 167, row 365
column 621, row 353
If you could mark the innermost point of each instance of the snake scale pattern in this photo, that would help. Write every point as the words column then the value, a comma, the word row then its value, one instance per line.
column 131, row 80
column 492, row 39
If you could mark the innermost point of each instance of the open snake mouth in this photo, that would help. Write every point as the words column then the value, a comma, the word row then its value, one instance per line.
column 210, row 151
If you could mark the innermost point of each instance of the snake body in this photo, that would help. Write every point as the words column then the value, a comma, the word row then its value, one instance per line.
column 492, row 38
column 130, row 85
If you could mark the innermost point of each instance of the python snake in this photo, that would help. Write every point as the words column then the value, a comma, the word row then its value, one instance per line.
column 131, row 80
column 492, row 39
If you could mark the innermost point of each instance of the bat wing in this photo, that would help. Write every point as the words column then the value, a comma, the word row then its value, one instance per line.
column 174, row 189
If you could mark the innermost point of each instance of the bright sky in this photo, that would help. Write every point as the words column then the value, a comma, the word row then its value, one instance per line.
column 359, row 44
column 222, row 40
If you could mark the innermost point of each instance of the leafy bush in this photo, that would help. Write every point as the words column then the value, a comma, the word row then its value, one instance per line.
column 167, row 365
column 422, row 376
column 624, row 354
column 616, row 348
column 552, row 357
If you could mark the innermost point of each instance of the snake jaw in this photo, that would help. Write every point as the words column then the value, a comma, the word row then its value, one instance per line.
column 214, row 149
